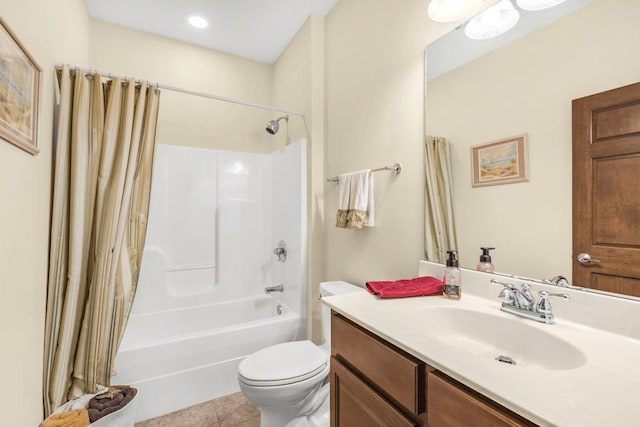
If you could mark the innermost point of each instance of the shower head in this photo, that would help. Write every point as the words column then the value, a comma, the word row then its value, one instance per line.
column 274, row 125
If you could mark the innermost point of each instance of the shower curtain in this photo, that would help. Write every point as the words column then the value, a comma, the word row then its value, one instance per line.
column 105, row 143
column 440, row 227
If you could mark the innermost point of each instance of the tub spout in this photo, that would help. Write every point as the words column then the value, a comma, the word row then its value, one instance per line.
column 269, row 289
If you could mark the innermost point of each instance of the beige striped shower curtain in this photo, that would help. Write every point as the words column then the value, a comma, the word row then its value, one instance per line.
column 104, row 149
column 440, row 226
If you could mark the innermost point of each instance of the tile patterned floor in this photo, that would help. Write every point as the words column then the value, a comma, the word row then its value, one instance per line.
column 229, row 411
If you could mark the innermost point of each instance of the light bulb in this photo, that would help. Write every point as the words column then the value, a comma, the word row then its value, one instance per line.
column 494, row 21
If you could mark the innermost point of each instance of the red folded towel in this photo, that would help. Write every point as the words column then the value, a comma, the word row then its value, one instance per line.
column 420, row 286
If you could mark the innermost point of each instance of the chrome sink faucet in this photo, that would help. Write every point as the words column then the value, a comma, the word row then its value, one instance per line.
column 521, row 302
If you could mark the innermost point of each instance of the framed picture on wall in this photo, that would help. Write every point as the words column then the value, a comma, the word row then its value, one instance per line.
column 19, row 92
column 500, row 162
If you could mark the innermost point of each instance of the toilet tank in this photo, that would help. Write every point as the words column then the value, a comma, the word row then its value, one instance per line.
column 328, row 289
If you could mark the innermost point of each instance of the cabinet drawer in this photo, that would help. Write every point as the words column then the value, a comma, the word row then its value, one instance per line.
column 355, row 404
column 452, row 405
column 396, row 374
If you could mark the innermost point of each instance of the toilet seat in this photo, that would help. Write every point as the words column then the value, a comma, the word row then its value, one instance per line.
column 283, row 364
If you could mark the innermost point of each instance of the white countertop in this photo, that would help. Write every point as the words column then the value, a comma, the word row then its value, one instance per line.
column 604, row 391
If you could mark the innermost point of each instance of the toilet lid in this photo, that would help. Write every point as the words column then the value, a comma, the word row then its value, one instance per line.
column 283, row 364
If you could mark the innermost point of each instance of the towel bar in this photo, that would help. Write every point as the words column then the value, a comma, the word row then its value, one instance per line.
column 396, row 168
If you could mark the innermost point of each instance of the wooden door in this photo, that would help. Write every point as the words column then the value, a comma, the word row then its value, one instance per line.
column 606, row 190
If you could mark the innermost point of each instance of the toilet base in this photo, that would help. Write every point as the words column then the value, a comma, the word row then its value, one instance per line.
column 314, row 413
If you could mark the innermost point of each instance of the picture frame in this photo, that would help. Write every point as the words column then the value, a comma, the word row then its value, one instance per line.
column 500, row 162
column 20, row 87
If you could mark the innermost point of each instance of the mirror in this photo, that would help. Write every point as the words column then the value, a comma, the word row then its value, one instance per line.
column 525, row 86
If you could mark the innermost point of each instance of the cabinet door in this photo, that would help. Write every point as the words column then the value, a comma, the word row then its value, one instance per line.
column 450, row 405
column 398, row 375
column 355, row 404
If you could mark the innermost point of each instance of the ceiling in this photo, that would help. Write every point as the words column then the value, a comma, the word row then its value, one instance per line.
column 254, row 29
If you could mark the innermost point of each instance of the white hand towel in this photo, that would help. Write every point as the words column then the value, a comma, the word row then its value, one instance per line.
column 355, row 203
column 344, row 191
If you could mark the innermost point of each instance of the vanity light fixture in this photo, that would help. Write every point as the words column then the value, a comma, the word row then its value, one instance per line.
column 496, row 20
column 197, row 21
column 538, row 4
column 451, row 10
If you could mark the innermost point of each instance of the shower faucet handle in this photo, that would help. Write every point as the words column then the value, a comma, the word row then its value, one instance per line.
column 281, row 251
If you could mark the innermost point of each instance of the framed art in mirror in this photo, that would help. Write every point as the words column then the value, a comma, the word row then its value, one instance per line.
column 500, row 162
column 19, row 92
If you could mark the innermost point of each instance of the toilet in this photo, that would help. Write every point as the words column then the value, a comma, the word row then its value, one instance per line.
column 289, row 382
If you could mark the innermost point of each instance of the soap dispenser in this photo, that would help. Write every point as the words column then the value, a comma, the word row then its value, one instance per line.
column 452, row 287
column 485, row 261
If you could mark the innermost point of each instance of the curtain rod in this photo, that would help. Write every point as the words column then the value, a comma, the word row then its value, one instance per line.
column 396, row 168
column 188, row 91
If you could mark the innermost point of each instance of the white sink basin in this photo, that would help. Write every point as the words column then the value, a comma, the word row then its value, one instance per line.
column 487, row 335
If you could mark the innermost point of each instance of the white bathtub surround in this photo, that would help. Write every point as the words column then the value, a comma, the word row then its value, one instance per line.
column 200, row 309
column 594, row 379
column 194, row 352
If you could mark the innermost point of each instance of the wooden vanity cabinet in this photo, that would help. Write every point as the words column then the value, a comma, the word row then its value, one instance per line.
column 374, row 383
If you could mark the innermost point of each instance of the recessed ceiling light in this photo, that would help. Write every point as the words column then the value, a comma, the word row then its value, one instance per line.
column 197, row 21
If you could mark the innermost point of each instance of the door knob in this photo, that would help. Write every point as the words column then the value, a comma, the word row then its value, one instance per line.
column 585, row 259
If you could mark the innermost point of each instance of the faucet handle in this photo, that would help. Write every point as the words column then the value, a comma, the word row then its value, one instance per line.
column 546, row 294
column 508, row 293
column 529, row 301
column 510, row 286
column 559, row 281
column 544, row 305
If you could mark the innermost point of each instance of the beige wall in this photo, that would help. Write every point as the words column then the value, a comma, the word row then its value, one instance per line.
column 186, row 119
column 291, row 86
column 527, row 87
column 51, row 31
column 375, row 110
column 298, row 83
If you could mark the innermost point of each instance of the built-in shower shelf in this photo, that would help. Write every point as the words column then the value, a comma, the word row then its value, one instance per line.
column 174, row 268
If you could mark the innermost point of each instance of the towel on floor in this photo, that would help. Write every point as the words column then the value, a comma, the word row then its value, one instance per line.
column 115, row 398
column 75, row 418
column 417, row 287
column 355, row 202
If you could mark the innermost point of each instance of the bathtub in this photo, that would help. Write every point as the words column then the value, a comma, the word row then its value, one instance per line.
column 182, row 357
